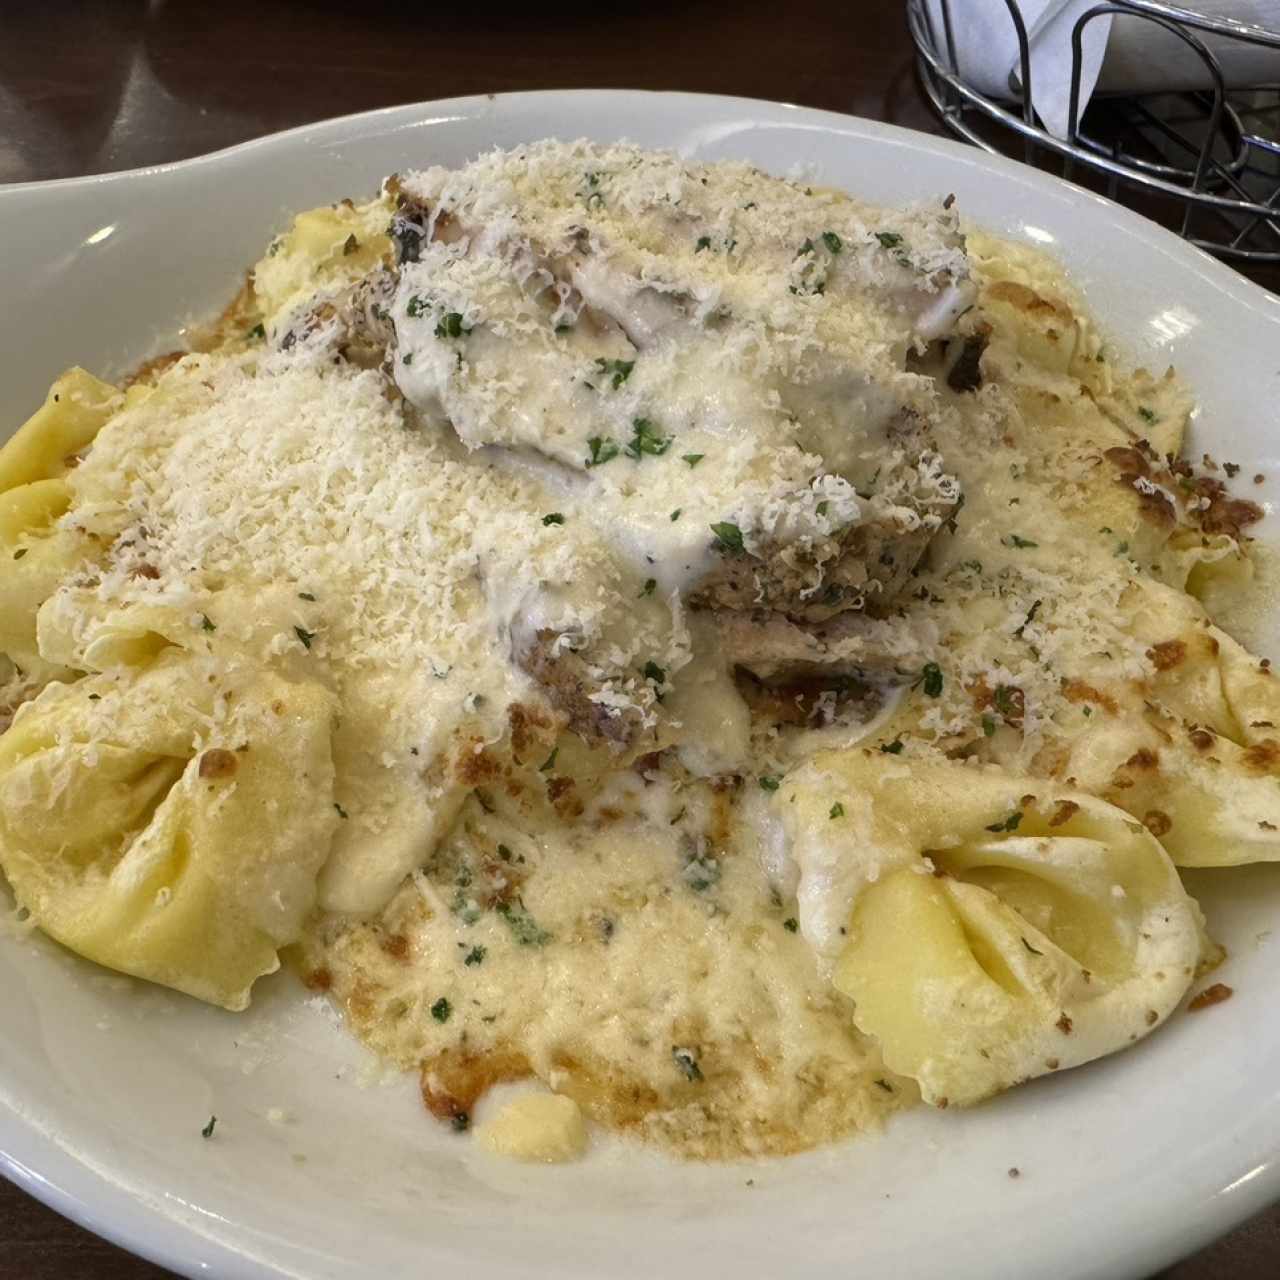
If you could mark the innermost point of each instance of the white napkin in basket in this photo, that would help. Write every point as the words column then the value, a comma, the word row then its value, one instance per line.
column 1124, row 54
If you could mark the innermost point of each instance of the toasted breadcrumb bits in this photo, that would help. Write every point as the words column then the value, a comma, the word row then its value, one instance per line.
column 1215, row 994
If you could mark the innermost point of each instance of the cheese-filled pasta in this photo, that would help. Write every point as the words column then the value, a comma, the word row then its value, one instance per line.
column 991, row 927
column 169, row 822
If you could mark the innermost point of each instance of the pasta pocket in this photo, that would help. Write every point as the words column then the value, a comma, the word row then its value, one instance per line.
column 170, row 822
column 998, row 928
column 1193, row 752
column 36, row 553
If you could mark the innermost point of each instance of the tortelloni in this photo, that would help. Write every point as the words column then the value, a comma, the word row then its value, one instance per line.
column 996, row 927
column 170, row 821
column 35, row 552
column 1193, row 752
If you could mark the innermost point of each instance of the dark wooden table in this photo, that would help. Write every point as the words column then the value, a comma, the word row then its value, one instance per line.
column 96, row 85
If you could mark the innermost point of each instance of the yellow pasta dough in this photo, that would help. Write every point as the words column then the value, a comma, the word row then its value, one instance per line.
column 170, row 822
column 999, row 927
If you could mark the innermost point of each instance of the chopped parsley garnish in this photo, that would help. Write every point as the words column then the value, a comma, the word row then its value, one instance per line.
column 1122, row 548
column 888, row 239
column 563, row 327
column 791, row 924
column 654, row 672
column 504, row 853
column 460, row 1121
column 553, row 517
column 1006, row 700
column 988, row 726
column 805, row 248
column 1147, row 415
column 408, row 359
column 441, row 1010
column 687, row 1061
column 451, row 326
column 305, row 636
column 342, row 813
column 823, row 507
column 701, row 872
column 769, row 782
column 893, row 748
column 704, row 242
column 415, row 307
column 617, row 371
column 1009, row 824
column 550, row 762
column 95, row 697
column 646, row 439
column 650, row 586
column 832, row 241
column 206, row 624
column 837, row 810
column 524, row 928
column 729, row 536
column 1013, row 540
column 306, row 595
column 475, row 956
column 21, row 551
column 692, row 458
column 675, row 515
column 207, row 1131
column 257, row 332
column 602, row 451
column 350, row 245
column 1030, row 948
column 932, row 677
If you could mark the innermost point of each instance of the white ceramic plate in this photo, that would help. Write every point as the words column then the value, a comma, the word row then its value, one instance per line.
column 106, row 1083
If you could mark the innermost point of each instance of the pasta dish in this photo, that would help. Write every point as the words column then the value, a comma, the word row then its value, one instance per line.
column 656, row 644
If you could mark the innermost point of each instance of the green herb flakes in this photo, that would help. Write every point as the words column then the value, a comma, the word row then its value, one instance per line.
column 791, row 924
column 770, row 782
column 602, row 450
column 1009, row 824
column 206, row 624
column 888, row 239
column 1014, row 540
column 441, row 1010
column 524, row 928
column 451, row 326
column 475, row 956
column 687, row 1063
column 692, row 458
column 650, row 586
column 893, row 748
column 646, row 439
column 832, row 241
column 617, row 371
column 837, row 810
column 729, row 536
column 932, row 679
column 305, row 636
column 342, row 813
column 550, row 762
column 553, row 517
column 207, row 1131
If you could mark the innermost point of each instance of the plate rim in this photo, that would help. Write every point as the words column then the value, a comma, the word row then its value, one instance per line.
column 36, row 1161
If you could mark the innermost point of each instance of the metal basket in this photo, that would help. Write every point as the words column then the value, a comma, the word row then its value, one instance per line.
column 1200, row 160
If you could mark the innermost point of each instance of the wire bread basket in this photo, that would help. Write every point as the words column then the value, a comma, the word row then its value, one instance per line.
column 1205, row 161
